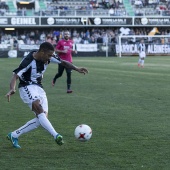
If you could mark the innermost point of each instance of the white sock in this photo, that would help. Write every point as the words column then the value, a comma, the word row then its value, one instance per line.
column 142, row 62
column 30, row 125
column 45, row 123
column 139, row 62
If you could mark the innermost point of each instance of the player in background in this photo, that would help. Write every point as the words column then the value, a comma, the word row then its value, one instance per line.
column 142, row 53
column 30, row 73
column 64, row 48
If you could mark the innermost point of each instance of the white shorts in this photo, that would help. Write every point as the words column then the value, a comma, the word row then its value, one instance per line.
column 32, row 93
column 142, row 54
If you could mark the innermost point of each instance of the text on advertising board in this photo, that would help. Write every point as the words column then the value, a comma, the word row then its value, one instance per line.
column 23, row 21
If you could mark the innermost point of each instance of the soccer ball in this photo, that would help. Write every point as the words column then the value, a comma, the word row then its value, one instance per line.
column 83, row 132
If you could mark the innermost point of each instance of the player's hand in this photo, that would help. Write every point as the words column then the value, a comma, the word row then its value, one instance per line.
column 82, row 70
column 8, row 95
column 65, row 51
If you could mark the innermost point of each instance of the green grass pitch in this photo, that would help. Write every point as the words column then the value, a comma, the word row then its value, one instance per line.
column 127, row 108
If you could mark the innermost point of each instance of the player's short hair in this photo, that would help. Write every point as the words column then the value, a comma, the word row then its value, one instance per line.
column 66, row 31
column 46, row 46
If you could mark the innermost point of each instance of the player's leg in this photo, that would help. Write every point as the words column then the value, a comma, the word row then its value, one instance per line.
column 39, row 107
column 143, row 59
column 34, row 123
column 59, row 74
column 139, row 60
column 29, row 126
column 29, row 95
column 142, row 62
column 69, row 71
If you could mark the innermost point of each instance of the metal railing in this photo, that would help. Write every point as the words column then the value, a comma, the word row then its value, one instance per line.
column 64, row 13
column 81, row 13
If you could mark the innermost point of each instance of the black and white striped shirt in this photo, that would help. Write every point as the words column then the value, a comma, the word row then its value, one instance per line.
column 142, row 47
column 30, row 71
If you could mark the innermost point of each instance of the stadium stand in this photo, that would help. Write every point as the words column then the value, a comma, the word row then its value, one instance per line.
column 128, row 7
column 113, row 14
column 81, row 35
column 151, row 7
column 88, row 7
column 4, row 8
column 84, row 8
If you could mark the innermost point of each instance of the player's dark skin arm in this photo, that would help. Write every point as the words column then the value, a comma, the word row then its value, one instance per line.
column 12, row 86
column 71, row 66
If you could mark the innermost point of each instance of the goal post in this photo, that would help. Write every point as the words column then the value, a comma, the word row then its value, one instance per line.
column 155, row 44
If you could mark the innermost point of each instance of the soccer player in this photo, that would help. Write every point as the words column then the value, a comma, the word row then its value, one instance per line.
column 142, row 54
column 64, row 48
column 30, row 73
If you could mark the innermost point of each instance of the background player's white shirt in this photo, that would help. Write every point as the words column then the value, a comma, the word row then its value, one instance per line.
column 142, row 49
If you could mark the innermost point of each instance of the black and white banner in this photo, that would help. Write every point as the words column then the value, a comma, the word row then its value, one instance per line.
column 38, row 21
column 86, row 21
column 8, row 54
column 156, row 21
column 151, row 49
column 24, row 21
column 28, row 47
column 61, row 21
column 90, row 49
column 4, row 46
column 19, row 21
column 4, row 21
column 86, row 47
column 120, row 21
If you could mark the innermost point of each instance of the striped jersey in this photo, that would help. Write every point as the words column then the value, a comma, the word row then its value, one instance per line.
column 141, row 47
column 30, row 71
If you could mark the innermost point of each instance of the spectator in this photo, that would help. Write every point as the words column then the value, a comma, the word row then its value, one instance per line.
column 15, row 43
column 77, row 39
column 11, row 43
column 111, row 12
column 42, row 36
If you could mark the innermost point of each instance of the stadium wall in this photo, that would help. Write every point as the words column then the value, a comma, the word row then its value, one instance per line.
column 88, row 50
column 40, row 21
column 84, row 50
column 109, row 50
